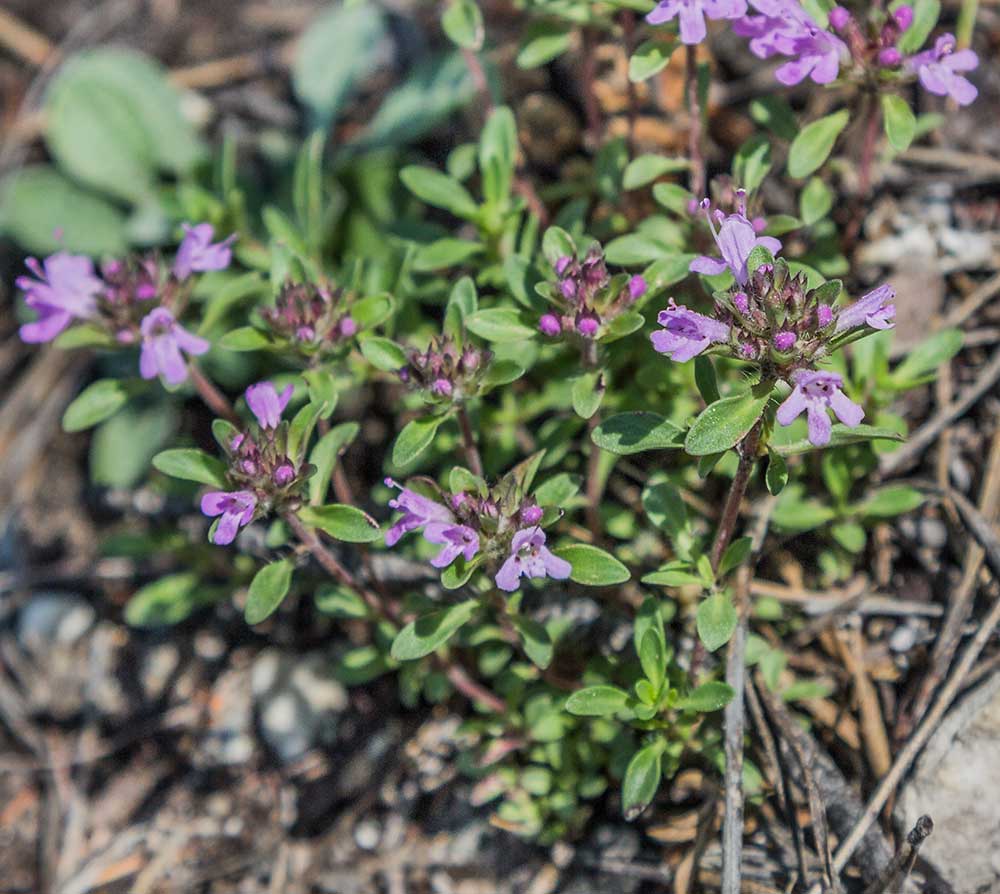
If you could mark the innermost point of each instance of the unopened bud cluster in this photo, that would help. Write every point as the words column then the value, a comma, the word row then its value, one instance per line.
column 446, row 372
column 587, row 297
column 311, row 319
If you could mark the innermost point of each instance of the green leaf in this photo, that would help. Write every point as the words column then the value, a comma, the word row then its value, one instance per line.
column 500, row 325
column 588, row 392
column 221, row 301
column 716, row 620
column 814, row 143
column 629, row 433
column 597, row 701
column 622, row 325
column 335, row 54
column 840, row 435
column 383, row 353
column 925, row 17
column 97, row 402
column 673, row 574
column 122, row 447
column 267, row 589
column 498, row 154
column 926, row 357
column 752, row 162
column 324, row 458
column 704, row 377
column 642, row 779
column 850, row 535
column 774, row 113
column 440, row 190
column 537, row 644
column 647, row 168
column 888, row 502
column 736, row 554
column 900, row 122
column 37, row 202
column 649, row 57
column 341, row 522
column 501, row 372
column 653, row 658
column 166, row 601
column 191, row 465
column 301, row 428
column 542, row 43
column 592, row 566
column 777, row 473
column 339, row 602
column 725, row 423
column 431, row 631
column 245, row 338
column 708, row 697
column 414, row 439
column 558, row 490
column 462, row 21
column 815, row 203
column 373, row 311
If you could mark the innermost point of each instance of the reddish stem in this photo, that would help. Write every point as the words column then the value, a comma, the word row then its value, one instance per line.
column 695, row 154
column 214, row 399
column 472, row 456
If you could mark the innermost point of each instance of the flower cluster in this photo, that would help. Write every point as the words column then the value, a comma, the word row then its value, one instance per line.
column 587, row 297
column 311, row 319
column 785, row 28
column 263, row 475
column 132, row 300
column 445, row 371
column 770, row 317
column 503, row 531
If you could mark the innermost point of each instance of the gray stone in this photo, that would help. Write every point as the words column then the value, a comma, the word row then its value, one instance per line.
column 956, row 782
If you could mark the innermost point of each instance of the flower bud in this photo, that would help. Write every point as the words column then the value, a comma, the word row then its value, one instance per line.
column 636, row 288
column 441, row 387
column 839, row 18
column 785, row 340
column 347, row 327
column 903, row 16
column 742, row 303
column 889, row 57
column 284, row 474
column 549, row 325
column 562, row 264
column 531, row 515
column 824, row 315
column 587, row 325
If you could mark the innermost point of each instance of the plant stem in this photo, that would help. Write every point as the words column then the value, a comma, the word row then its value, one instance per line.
column 214, row 399
column 628, row 34
column 478, row 74
column 737, row 490
column 456, row 674
column 593, row 489
column 472, row 456
column 966, row 23
column 588, row 78
column 695, row 155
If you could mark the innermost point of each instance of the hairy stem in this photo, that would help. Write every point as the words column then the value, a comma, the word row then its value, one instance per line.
column 737, row 490
column 214, row 399
column 695, row 155
column 472, row 456
column 593, row 488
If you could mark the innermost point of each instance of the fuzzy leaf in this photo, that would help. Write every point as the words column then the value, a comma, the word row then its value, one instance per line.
column 596, row 701
column 592, row 566
column 725, row 423
column 341, row 522
column 716, row 620
column 815, row 142
column 629, row 433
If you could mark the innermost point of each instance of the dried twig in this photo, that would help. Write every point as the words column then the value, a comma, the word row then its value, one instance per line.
column 924, row 436
column 983, row 532
column 906, row 856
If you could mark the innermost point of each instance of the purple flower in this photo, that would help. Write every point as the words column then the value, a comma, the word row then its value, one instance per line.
column 530, row 557
column 417, row 510
column 636, row 288
column 786, row 29
column 235, row 507
column 65, row 289
column 163, row 339
column 736, row 238
column 686, row 333
column 692, row 15
column 876, row 309
column 197, row 253
column 784, row 340
column 267, row 404
column 457, row 540
column 938, row 70
column 532, row 515
column 549, row 325
column 587, row 325
column 284, row 474
column 814, row 391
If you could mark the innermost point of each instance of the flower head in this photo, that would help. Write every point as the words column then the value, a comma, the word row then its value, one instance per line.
column 197, row 252
column 549, row 325
column 236, row 508
column 686, row 333
column 691, row 15
column 456, row 539
column 65, row 289
column 163, row 339
column 939, row 70
column 814, row 391
column 736, row 238
column 417, row 510
column 876, row 309
column 267, row 404
column 530, row 557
